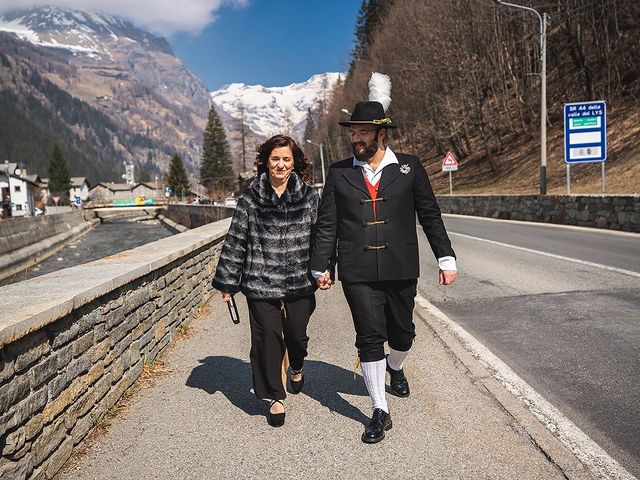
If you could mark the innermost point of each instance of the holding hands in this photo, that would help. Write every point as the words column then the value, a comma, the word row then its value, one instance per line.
column 445, row 277
column 324, row 281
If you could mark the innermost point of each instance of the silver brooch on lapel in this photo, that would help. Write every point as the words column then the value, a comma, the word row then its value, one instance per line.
column 405, row 168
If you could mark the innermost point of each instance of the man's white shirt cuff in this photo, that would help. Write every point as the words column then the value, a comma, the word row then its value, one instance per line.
column 317, row 274
column 447, row 263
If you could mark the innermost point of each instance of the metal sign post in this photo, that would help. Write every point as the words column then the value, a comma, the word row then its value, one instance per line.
column 450, row 164
column 585, row 135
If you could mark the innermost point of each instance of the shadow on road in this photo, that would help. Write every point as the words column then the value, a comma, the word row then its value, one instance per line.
column 229, row 376
column 324, row 383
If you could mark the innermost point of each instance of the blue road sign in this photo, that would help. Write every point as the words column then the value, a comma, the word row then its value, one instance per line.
column 585, row 132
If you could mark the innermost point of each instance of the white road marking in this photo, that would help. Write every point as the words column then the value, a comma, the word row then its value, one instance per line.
column 587, row 451
column 601, row 231
column 552, row 255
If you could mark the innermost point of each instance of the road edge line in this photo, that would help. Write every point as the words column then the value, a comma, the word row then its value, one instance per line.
column 578, row 228
column 621, row 271
column 560, row 440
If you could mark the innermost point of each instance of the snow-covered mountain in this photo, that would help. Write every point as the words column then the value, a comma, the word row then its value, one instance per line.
column 125, row 72
column 77, row 31
column 265, row 111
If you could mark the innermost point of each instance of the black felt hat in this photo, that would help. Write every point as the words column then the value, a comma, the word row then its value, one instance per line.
column 369, row 113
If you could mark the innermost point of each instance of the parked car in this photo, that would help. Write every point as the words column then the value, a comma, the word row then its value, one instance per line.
column 230, row 202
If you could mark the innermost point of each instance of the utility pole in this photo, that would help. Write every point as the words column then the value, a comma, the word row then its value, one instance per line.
column 543, row 91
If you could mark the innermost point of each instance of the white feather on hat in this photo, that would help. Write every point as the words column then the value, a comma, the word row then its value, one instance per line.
column 380, row 89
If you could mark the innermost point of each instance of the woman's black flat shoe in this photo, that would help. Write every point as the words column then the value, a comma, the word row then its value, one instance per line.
column 275, row 419
column 296, row 385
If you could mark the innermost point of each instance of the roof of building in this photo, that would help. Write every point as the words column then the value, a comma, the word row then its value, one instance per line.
column 8, row 168
column 77, row 182
column 35, row 179
column 125, row 187
column 150, row 185
column 114, row 187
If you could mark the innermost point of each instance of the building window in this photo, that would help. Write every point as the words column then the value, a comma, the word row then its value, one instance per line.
column 16, row 188
column 18, row 207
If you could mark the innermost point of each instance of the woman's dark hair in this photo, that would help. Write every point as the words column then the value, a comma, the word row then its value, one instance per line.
column 301, row 164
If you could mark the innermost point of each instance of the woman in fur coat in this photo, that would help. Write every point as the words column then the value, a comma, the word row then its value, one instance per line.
column 266, row 257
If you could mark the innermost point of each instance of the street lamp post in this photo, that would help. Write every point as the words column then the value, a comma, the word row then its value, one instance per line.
column 543, row 91
column 321, row 158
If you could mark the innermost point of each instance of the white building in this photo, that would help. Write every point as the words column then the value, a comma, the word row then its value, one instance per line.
column 17, row 190
column 79, row 187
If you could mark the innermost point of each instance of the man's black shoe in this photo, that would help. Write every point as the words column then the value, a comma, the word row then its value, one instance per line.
column 380, row 422
column 399, row 383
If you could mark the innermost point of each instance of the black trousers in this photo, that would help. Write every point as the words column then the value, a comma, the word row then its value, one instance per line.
column 277, row 325
column 382, row 311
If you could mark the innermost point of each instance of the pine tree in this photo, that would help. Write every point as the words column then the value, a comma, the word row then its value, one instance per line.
column 216, row 167
column 59, row 181
column 177, row 177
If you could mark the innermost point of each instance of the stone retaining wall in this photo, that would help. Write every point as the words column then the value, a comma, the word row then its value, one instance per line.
column 17, row 233
column 79, row 340
column 616, row 212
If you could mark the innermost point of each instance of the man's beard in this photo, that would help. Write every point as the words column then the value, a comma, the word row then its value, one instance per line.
column 370, row 150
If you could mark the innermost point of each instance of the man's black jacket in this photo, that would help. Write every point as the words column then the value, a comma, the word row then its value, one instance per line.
column 388, row 248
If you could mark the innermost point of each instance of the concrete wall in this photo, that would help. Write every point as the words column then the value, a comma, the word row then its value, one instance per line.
column 616, row 212
column 69, row 352
column 17, row 233
column 194, row 216
column 23, row 231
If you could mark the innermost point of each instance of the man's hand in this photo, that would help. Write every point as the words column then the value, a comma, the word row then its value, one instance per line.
column 226, row 296
column 447, row 277
column 324, row 282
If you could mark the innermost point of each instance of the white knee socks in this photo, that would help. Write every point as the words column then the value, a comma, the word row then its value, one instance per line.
column 396, row 358
column 373, row 373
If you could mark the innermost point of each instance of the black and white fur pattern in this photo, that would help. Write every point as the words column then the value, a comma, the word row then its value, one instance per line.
column 266, row 251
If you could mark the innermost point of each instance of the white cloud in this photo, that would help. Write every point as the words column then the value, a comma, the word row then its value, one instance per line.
column 164, row 17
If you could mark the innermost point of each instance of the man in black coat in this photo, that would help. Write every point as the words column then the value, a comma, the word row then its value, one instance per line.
column 368, row 215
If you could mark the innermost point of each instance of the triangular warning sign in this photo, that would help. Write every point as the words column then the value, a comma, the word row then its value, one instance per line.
column 450, row 160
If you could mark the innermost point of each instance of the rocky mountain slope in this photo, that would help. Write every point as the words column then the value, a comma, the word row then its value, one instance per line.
column 35, row 113
column 124, row 72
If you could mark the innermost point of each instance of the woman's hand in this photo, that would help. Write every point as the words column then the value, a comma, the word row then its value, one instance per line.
column 226, row 296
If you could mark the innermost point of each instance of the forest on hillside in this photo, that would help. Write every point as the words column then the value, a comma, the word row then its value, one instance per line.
column 466, row 78
column 35, row 114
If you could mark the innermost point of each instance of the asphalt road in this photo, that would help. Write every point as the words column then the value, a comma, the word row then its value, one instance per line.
column 108, row 238
column 560, row 306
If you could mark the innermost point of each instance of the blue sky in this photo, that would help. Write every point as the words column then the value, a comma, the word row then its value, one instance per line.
column 271, row 42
